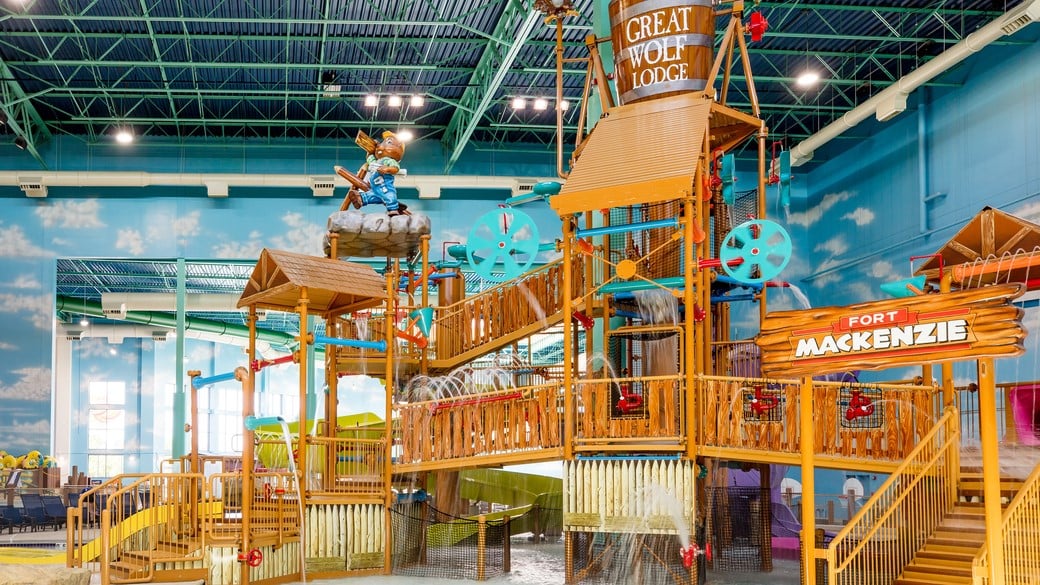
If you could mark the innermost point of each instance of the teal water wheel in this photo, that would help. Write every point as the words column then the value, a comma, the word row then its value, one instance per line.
column 502, row 244
column 755, row 251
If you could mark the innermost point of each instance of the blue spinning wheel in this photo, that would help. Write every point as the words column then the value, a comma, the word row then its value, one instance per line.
column 755, row 251
column 502, row 244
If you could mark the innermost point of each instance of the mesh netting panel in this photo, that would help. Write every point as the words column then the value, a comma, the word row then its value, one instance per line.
column 658, row 256
column 727, row 217
column 430, row 543
column 735, row 529
column 650, row 559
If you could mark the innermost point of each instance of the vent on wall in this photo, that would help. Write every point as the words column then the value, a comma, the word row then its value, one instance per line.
column 323, row 186
column 523, row 187
column 33, row 187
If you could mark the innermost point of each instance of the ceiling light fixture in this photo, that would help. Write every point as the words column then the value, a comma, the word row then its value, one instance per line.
column 807, row 79
column 541, row 103
column 3, row 118
column 83, row 322
column 404, row 135
column 565, row 105
column 124, row 137
column 371, row 101
column 394, row 101
column 20, row 142
column 417, row 101
column 519, row 103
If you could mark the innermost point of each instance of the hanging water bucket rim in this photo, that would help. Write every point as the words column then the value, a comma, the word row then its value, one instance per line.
column 638, row 8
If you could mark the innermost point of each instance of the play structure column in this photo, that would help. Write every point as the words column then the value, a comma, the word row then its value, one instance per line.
column 301, row 443
column 392, row 277
column 988, row 433
column 807, row 440
column 248, row 446
column 568, row 331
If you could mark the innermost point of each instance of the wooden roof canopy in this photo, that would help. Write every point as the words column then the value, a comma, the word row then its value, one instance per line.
column 648, row 151
column 1007, row 241
column 333, row 286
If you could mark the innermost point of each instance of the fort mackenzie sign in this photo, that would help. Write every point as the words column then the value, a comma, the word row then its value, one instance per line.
column 931, row 328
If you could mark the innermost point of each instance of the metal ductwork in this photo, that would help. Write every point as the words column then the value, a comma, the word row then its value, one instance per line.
column 167, row 320
column 118, row 333
column 119, row 303
column 217, row 185
column 889, row 102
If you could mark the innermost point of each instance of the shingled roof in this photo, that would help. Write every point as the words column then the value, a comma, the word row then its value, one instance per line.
column 994, row 235
column 333, row 286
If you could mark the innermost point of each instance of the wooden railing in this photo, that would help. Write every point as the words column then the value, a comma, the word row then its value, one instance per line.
column 494, row 423
column 605, row 415
column 1020, row 531
column 346, row 466
column 755, row 413
column 880, row 540
column 478, row 324
column 151, row 521
column 85, row 514
column 274, row 510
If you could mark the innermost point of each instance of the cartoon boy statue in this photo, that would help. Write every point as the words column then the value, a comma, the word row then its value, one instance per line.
column 374, row 183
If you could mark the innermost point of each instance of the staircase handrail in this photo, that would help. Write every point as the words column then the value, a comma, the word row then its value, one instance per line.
column 145, row 517
column 75, row 515
column 1015, row 557
column 916, row 465
column 453, row 356
column 502, row 285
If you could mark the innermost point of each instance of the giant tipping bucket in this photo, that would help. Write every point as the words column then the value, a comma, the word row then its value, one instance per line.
column 661, row 47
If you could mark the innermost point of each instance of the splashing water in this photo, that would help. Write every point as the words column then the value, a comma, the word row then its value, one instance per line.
column 657, row 306
column 799, row 295
column 299, row 499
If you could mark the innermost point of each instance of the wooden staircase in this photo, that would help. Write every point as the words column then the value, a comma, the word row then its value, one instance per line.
column 947, row 555
column 133, row 565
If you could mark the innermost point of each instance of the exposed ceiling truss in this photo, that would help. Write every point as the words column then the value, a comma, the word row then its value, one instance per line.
column 205, row 70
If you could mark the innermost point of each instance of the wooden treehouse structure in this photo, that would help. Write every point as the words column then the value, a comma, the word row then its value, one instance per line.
column 656, row 253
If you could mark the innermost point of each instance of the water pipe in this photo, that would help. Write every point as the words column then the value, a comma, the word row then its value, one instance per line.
column 258, row 365
column 200, row 382
column 358, row 343
column 969, row 270
column 625, row 228
column 420, row 342
column 672, row 282
column 254, row 422
column 725, row 279
column 731, row 298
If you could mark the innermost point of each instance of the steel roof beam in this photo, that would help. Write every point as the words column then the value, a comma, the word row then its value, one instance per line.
column 22, row 118
column 516, row 23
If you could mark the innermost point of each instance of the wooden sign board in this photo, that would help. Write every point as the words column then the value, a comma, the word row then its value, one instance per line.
column 930, row 328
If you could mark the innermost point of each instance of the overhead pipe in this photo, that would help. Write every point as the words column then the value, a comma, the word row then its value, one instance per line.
column 218, row 183
column 120, row 303
column 889, row 102
column 93, row 309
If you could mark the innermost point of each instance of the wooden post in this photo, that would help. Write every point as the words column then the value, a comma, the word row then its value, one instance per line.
column 481, row 547
column 248, row 447
column 808, row 449
column 765, row 510
column 568, row 557
column 388, row 435
column 568, row 362
column 690, row 370
column 990, row 469
column 506, row 561
column 424, row 246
